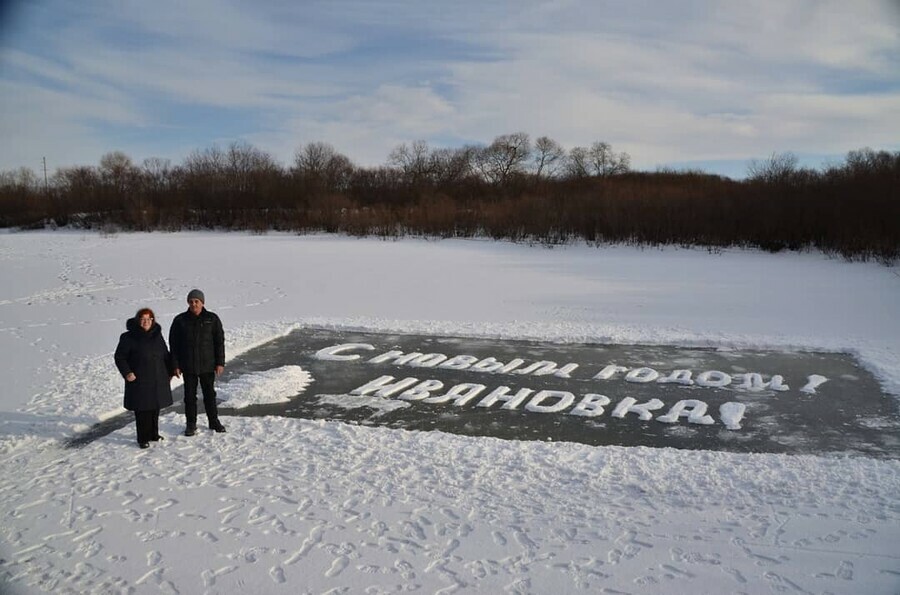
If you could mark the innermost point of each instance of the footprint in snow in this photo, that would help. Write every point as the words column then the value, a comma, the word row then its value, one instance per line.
column 277, row 574
column 153, row 558
column 337, row 566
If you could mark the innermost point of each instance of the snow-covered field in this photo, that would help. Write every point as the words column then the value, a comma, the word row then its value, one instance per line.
column 293, row 506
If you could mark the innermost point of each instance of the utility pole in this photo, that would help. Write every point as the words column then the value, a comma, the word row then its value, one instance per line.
column 46, row 186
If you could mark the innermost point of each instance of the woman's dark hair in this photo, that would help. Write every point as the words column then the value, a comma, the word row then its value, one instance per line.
column 143, row 311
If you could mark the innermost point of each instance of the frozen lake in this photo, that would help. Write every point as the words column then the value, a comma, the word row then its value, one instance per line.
column 285, row 503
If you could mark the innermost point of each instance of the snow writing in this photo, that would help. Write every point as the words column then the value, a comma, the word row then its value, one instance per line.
column 587, row 404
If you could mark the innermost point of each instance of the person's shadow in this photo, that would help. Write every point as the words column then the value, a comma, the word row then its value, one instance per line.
column 102, row 428
column 20, row 424
column 117, row 422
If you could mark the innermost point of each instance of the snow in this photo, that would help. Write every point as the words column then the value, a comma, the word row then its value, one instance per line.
column 287, row 505
column 277, row 385
column 732, row 413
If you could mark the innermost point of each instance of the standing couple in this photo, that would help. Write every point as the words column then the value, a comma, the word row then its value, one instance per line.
column 198, row 353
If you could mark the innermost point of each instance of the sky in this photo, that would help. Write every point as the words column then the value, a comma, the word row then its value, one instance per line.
column 696, row 84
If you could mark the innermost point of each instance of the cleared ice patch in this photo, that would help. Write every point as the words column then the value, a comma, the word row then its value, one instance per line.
column 536, row 390
column 277, row 385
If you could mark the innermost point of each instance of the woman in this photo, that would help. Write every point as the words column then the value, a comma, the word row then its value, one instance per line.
column 146, row 365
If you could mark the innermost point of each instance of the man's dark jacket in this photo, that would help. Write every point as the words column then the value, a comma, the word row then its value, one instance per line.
column 145, row 354
column 197, row 342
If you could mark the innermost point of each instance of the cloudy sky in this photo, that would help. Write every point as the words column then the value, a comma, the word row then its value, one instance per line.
column 706, row 84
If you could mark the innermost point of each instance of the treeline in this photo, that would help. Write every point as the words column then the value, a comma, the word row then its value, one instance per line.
column 512, row 189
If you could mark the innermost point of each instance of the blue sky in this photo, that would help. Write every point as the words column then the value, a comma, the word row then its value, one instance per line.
column 699, row 84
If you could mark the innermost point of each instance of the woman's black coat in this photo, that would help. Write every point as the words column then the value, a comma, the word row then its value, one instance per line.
column 145, row 353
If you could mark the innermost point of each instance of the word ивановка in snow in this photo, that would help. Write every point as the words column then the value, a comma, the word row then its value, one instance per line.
column 554, row 401
column 590, row 405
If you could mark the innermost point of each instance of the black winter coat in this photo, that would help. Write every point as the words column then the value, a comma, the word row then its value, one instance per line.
column 145, row 354
column 197, row 342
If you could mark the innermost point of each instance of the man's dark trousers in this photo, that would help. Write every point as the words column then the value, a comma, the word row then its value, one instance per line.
column 209, row 398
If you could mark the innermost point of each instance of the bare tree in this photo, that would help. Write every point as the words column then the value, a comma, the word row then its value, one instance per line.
column 605, row 162
column 75, row 180
column 245, row 164
column 208, row 162
column 598, row 160
column 158, row 174
column 118, row 172
column 548, row 157
column 577, row 164
column 504, row 158
column 778, row 168
column 22, row 178
column 322, row 168
column 414, row 161
column 204, row 178
column 159, row 180
column 452, row 165
column 157, row 167
column 313, row 158
column 80, row 186
column 867, row 160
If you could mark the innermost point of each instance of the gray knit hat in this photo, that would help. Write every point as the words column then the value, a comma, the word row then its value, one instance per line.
column 196, row 294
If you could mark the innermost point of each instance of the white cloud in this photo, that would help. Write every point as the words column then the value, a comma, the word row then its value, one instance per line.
column 52, row 124
column 831, row 33
column 287, row 29
column 366, row 127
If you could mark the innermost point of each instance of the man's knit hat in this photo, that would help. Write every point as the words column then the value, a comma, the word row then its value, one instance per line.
column 196, row 294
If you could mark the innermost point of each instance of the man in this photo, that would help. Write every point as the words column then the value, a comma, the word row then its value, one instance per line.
column 197, row 342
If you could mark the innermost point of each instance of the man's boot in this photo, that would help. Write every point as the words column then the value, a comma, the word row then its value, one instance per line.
column 216, row 425
column 212, row 413
column 190, row 414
